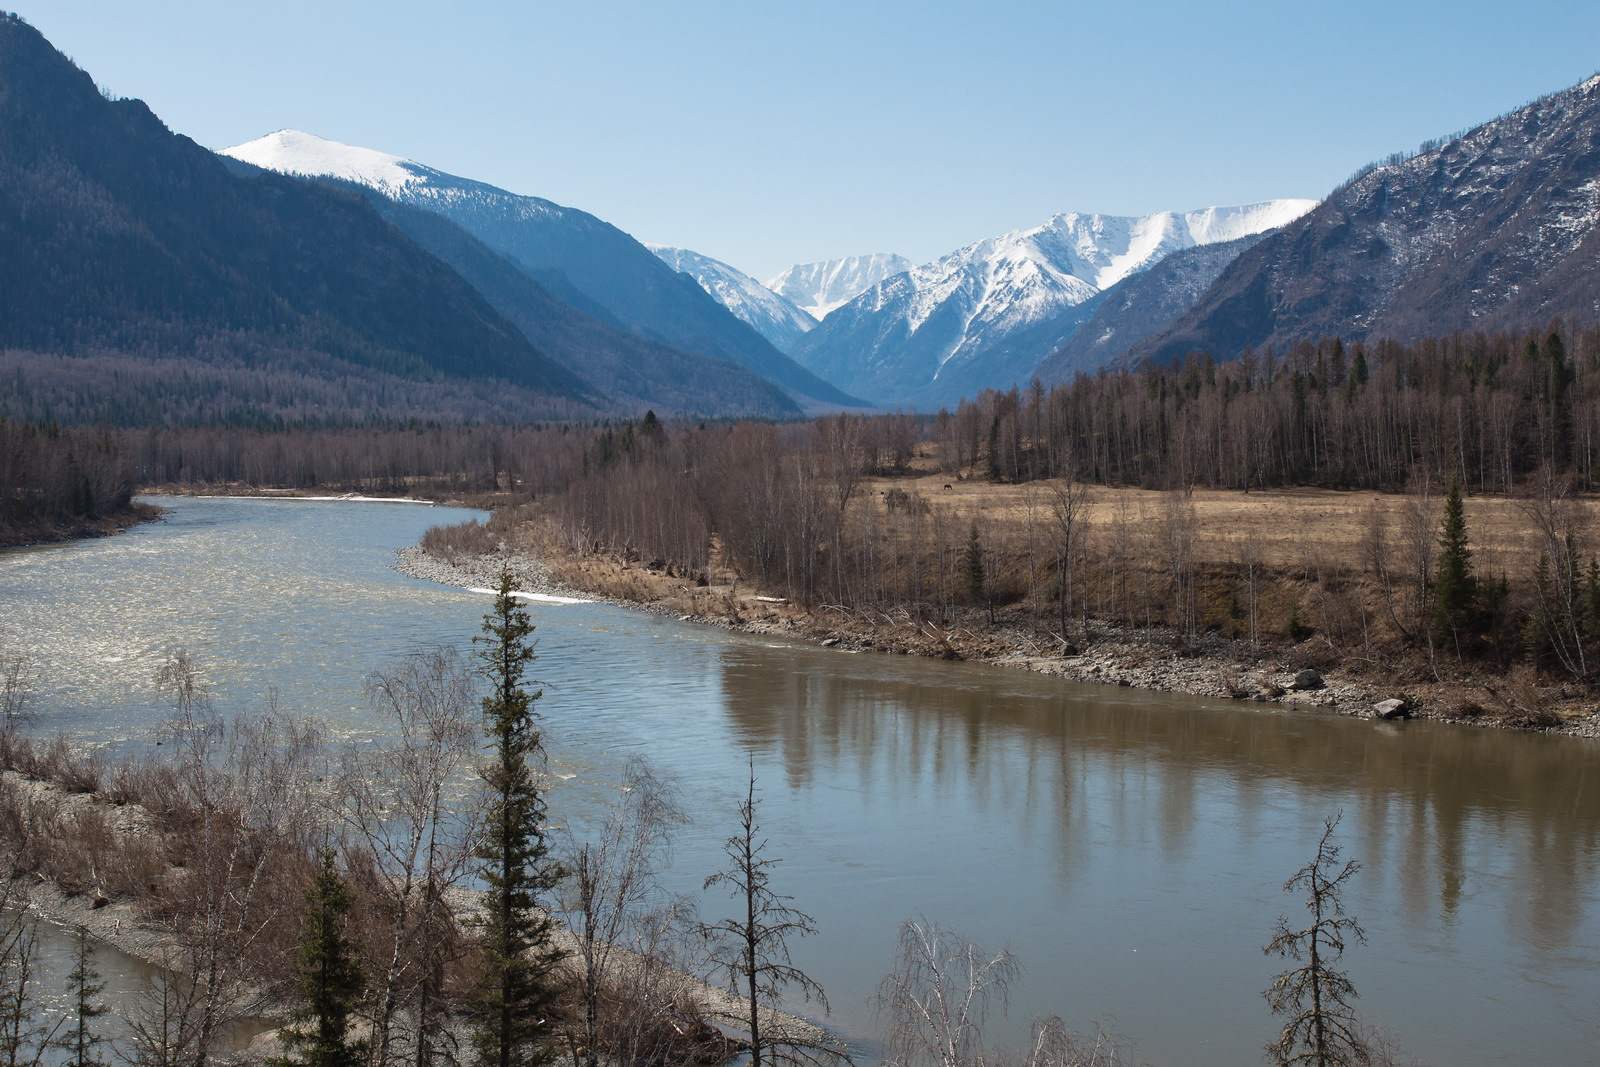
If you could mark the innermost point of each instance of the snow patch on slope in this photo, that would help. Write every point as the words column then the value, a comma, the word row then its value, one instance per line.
column 307, row 155
column 773, row 316
column 819, row 288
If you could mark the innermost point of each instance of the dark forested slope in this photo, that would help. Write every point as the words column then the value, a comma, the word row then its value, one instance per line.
column 120, row 235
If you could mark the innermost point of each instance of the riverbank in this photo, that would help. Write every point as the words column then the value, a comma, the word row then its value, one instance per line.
column 1303, row 676
column 22, row 535
column 94, row 824
column 486, row 501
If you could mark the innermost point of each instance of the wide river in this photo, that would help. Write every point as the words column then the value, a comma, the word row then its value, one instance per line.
column 1129, row 847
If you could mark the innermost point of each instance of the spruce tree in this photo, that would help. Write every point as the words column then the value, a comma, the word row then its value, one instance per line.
column 1321, row 1028
column 1455, row 590
column 516, row 1006
column 81, row 1043
column 972, row 574
column 329, row 978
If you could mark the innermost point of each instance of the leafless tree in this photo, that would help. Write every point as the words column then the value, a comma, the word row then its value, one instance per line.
column 399, row 802
column 25, row 1036
column 1052, row 1044
column 162, row 1016
column 1251, row 558
column 1420, row 526
column 611, row 900
column 936, row 999
column 1180, row 530
column 1069, row 500
column 255, row 793
column 751, row 950
column 16, row 684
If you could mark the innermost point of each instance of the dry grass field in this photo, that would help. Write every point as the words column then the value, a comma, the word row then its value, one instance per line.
column 1289, row 523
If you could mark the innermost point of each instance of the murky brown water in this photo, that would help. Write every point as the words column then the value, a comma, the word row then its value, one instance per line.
column 1129, row 847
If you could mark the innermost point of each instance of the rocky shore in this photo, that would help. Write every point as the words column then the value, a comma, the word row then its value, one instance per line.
column 1152, row 660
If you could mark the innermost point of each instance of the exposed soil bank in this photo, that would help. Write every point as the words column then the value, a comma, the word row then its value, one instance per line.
column 1154, row 660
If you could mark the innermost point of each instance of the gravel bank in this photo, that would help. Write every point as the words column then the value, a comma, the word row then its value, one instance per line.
column 1152, row 661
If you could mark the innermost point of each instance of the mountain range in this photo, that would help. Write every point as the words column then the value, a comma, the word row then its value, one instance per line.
column 771, row 315
column 410, row 292
column 820, row 288
column 121, row 235
column 986, row 314
column 562, row 247
column 1498, row 228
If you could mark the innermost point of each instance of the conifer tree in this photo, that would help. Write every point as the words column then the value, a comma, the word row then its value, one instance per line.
column 81, row 1043
column 516, row 1008
column 329, row 978
column 972, row 572
column 752, row 949
column 1455, row 589
column 1322, row 1029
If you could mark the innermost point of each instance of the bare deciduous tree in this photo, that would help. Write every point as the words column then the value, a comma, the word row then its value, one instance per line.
column 611, row 902
column 398, row 800
column 936, row 999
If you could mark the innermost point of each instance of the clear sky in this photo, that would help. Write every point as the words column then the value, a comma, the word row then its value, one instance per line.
column 768, row 133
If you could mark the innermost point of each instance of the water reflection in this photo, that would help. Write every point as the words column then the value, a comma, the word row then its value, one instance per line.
column 1480, row 847
column 1129, row 846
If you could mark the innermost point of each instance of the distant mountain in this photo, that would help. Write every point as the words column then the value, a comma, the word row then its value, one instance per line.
column 120, row 236
column 635, row 372
column 1496, row 229
column 819, row 288
column 985, row 315
column 1140, row 305
column 610, row 268
column 774, row 317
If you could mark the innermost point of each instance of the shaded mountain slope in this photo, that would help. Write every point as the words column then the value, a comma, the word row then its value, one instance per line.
column 638, row 290
column 1138, row 306
column 121, row 235
column 634, row 371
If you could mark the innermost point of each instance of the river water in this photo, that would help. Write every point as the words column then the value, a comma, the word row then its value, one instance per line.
column 1129, row 847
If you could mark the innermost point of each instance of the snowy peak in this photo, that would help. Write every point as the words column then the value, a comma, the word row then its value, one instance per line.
column 773, row 316
column 819, row 288
column 310, row 156
column 986, row 314
column 1104, row 249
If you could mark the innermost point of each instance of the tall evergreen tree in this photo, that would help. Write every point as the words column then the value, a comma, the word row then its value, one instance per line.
column 972, row 571
column 1455, row 589
column 516, row 1009
column 82, row 1042
column 329, row 978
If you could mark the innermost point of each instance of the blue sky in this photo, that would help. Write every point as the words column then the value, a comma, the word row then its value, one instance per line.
column 769, row 133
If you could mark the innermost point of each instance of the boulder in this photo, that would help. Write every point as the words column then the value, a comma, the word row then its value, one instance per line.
column 1390, row 709
column 1306, row 679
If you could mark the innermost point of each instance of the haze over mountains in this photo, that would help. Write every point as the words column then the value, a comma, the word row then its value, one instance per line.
column 302, row 278
column 562, row 247
column 772, row 316
column 819, row 289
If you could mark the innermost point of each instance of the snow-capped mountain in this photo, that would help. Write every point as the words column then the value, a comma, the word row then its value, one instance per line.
column 580, row 258
column 1496, row 229
column 774, row 317
column 818, row 288
column 985, row 315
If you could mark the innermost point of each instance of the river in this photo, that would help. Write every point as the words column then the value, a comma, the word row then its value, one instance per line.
column 1129, row 847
